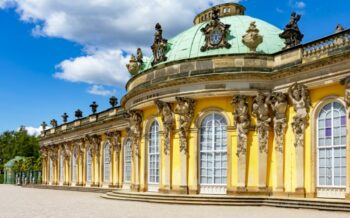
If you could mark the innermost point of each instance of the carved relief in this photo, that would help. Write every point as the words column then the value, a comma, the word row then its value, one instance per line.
column 185, row 109
column 114, row 142
column 252, row 39
column 299, row 95
column 346, row 83
column 53, row 153
column 135, row 130
column 79, row 148
column 93, row 144
column 216, row 33
column 159, row 46
column 262, row 113
column 67, row 151
column 291, row 32
column 279, row 105
column 242, row 122
column 44, row 153
column 168, row 122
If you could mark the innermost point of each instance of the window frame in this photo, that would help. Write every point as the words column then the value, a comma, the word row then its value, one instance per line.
column 332, row 147
column 128, row 144
column 156, row 153
column 213, row 151
column 106, row 161
column 88, row 166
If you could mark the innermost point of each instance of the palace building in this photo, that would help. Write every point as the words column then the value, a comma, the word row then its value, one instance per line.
column 231, row 106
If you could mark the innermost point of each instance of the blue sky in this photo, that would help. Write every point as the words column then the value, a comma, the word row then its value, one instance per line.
column 57, row 57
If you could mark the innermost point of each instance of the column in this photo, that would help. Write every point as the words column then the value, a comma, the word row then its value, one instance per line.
column 346, row 83
column 231, row 159
column 193, row 183
column 299, row 158
column 279, row 187
column 242, row 124
column 135, row 186
column 347, row 195
column 120, row 175
column 165, row 169
column 82, row 168
column 262, row 170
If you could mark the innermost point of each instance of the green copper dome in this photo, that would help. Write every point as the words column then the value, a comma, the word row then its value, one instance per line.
column 187, row 45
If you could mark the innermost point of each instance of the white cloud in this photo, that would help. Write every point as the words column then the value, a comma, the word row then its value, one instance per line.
column 105, row 28
column 33, row 130
column 101, row 90
column 102, row 67
column 279, row 10
column 300, row 5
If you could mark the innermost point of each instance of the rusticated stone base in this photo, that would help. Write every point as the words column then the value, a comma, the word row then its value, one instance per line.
column 299, row 193
column 193, row 190
column 180, row 190
column 249, row 191
column 135, row 188
column 164, row 190
column 236, row 191
column 95, row 185
column 310, row 195
column 347, row 196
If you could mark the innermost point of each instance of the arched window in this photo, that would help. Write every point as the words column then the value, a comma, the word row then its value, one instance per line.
column 153, row 154
column 61, row 169
column 213, row 150
column 127, row 161
column 88, row 166
column 106, row 162
column 74, row 167
column 331, row 146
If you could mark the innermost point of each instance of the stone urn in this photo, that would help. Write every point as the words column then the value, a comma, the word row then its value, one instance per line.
column 252, row 39
column 133, row 66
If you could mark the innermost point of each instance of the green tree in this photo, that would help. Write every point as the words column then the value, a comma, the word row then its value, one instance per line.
column 17, row 143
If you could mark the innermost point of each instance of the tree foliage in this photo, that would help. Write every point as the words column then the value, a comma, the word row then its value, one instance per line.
column 18, row 143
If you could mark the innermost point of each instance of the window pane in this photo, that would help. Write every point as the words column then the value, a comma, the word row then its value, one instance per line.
column 213, row 145
column 332, row 133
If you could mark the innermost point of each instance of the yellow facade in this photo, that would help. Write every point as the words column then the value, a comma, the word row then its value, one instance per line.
column 178, row 94
column 203, row 106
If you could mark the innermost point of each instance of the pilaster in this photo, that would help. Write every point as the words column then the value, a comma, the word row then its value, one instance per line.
column 193, row 183
column 165, row 167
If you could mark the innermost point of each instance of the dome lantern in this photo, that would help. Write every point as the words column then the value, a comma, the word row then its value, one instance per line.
column 227, row 9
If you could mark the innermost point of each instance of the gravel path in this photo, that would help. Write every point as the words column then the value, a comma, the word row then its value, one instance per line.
column 27, row 202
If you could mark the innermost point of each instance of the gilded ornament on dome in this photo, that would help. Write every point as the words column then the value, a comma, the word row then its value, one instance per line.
column 216, row 33
column 252, row 39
